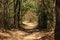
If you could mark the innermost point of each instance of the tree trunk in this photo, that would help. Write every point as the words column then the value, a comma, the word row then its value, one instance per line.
column 57, row 28
column 16, row 13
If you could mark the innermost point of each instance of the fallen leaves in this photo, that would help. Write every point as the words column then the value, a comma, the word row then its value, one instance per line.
column 21, row 35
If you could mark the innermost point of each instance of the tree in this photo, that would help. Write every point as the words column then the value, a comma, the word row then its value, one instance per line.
column 16, row 13
column 57, row 28
column 46, row 16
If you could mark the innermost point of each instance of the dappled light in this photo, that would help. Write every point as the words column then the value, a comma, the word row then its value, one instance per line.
column 27, row 19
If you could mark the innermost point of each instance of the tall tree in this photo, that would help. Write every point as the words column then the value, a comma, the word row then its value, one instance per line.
column 57, row 28
column 16, row 13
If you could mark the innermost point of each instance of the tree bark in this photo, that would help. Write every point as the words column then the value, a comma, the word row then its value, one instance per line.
column 57, row 28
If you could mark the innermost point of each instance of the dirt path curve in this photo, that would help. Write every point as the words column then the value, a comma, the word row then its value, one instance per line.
column 21, row 35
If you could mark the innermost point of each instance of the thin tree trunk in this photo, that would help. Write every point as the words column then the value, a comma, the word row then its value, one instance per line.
column 16, row 13
column 5, row 14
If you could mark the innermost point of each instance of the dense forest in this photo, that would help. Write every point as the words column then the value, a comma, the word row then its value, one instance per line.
column 13, row 13
column 27, row 15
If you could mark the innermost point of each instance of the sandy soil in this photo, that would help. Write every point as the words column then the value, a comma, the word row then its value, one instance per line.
column 21, row 35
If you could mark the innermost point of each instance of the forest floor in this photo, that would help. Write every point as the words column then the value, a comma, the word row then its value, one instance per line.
column 21, row 35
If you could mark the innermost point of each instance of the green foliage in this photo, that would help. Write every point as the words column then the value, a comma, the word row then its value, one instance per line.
column 28, row 5
column 45, row 7
column 50, row 14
